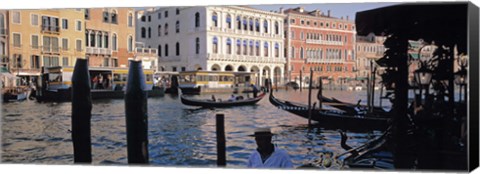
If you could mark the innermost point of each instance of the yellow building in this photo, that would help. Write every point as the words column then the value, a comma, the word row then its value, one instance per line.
column 39, row 38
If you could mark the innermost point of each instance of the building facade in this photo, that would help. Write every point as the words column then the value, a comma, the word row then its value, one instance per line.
column 320, row 42
column 4, row 38
column 38, row 38
column 109, row 36
column 217, row 38
column 369, row 49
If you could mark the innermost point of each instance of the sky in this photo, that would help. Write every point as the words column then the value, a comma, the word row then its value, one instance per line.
column 336, row 10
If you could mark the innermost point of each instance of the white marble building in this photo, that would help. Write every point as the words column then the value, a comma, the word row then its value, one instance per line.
column 216, row 38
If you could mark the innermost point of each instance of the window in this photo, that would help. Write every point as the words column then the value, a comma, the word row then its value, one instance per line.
column 183, row 68
column 159, row 15
column 149, row 32
column 106, row 62
column 292, row 54
column 65, row 61
column 34, row 19
column 149, row 18
column 257, row 46
column 214, row 19
column 166, row 29
column 215, row 45
column 105, row 40
column 65, row 44
column 250, row 24
column 308, row 22
column 197, row 19
column 17, row 61
column 229, row 46
column 114, row 17
column 114, row 62
column 159, row 51
column 2, row 24
column 301, row 52
column 87, row 14
column 99, row 40
column 17, row 40
column 277, row 50
column 130, row 20
column 277, row 30
column 177, row 11
column 229, row 21
column 244, row 22
column 130, row 44
column 239, row 23
column 64, row 24
column 35, row 62
column 166, row 14
column 265, row 26
column 265, row 49
column 79, row 45
column 34, row 41
column 177, row 27
column 301, row 36
column 174, row 68
column 105, row 17
column 16, row 17
column 197, row 45
column 114, row 42
column 50, row 24
column 143, row 32
column 238, row 46
column 177, row 49
column 251, row 47
column 244, row 47
column 257, row 25
column 143, row 18
column 166, row 50
column 79, row 25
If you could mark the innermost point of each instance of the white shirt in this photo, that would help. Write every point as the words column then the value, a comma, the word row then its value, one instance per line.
column 278, row 159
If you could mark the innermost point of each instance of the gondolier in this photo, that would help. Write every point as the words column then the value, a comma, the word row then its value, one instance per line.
column 255, row 90
column 267, row 155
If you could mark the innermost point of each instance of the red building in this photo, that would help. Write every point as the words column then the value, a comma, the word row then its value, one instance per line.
column 318, row 41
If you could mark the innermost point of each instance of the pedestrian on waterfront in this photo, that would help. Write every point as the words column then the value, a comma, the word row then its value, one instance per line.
column 267, row 155
column 232, row 98
column 95, row 82
column 100, row 82
column 255, row 90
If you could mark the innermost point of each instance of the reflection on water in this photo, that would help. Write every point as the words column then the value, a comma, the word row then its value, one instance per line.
column 178, row 135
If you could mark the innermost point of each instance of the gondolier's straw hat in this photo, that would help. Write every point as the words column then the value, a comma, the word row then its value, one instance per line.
column 259, row 132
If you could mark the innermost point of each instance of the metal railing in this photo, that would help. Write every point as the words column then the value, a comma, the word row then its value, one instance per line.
column 139, row 51
column 324, row 42
column 98, row 51
column 50, row 29
column 316, row 60
column 50, row 50
column 245, row 58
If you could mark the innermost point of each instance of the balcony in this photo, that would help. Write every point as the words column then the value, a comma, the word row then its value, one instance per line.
column 50, row 29
column 317, row 60
column 50, row 50
column 170, row 59
column 98, row 51
column 244, row 58
column 324, row 42
column 3, row 32
column 146, row 52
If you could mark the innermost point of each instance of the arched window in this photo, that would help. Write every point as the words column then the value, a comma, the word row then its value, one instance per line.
column 143, row 32
column 197, row 19
column 197, row 45
column 229, row 21
column 214, row 19
column 277, row 50
column 114, row 42
column 166, row 29
column 114, row 17
column 250, row 24
column 265, row 49
column 92, row 39
column 301, row 52
column 277, row 30
column 159, row 30
column 159, row 52
column 166, row 50
column 177, row 49
column 251, row 45
column 130, row 20
column 293, row 52
column 244, row 22
column 177, row 27
column 149, row 32
column 239, row 23
column 244, row 47
column 239, row 44
column 265, row 26
column 130, row 44
column 229, row 46
column 215, row 45
column 99, row 40
column 257, row 25
column 257, row 47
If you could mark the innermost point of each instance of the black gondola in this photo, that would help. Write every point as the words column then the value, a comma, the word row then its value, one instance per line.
column 220, row 104
column 349, row 107
column 333, row 118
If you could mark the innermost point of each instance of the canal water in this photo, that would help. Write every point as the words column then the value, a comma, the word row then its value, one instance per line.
column 179, row 135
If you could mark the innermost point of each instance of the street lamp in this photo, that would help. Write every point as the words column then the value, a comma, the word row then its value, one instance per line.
column 423, row 75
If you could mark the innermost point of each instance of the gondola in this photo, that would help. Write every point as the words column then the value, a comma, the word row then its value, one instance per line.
column 333, row 118
column 220, row 104
column 349, row 107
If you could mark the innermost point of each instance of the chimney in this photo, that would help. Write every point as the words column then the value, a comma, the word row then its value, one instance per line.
column 328, row 13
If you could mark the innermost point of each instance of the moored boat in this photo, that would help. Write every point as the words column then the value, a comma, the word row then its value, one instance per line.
column 220, row 104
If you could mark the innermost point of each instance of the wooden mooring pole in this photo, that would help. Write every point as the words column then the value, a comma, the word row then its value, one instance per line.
column 81, row 113
column 320, row 94
column 310, row 98
column 301, row 79
column 137, row 115
column 221, row 154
